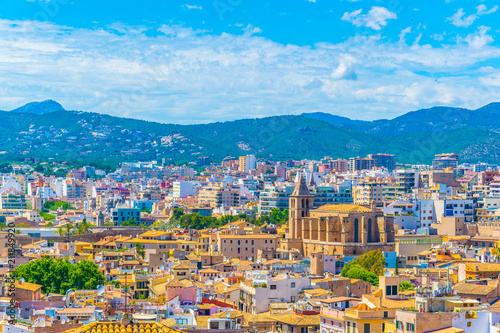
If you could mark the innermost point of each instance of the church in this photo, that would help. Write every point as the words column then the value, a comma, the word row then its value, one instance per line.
column 343, row 229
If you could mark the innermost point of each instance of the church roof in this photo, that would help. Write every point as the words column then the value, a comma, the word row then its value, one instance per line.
column 301, row 187
column 311, row 181
column 345, row 208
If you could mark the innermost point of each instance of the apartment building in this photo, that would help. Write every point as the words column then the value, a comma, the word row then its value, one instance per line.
column 245, row 247
column 13, row 199
column 247, row 163
column 257, row 297
column 122, row 214
column 73, row 189
column 182, row 189
column 358, row 163
column 217, row 196
column 384, row 161
column 366, row 193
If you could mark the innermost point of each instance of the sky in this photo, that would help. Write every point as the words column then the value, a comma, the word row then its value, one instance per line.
column 202, row 61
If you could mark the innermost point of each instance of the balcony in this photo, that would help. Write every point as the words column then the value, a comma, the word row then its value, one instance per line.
column 333, row 313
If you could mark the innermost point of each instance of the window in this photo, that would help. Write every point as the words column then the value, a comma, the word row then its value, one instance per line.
column 293, row 284
column 386, row 315
column 366, row 328
column 469, row 324
column 272, row 287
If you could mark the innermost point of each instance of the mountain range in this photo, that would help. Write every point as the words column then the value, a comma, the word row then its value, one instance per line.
column 45, row 130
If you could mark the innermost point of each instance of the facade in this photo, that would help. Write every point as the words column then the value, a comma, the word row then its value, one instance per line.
column 13, row 199
column 73, row 189
column 247, row 163
column 119, row 215
column 217, row 196
column 279, row 197
column 443, row 161
column 282, row 288
column 358, row 163
column 182, row 189
column 366, row 193
column 245, row 247
column 384, row 161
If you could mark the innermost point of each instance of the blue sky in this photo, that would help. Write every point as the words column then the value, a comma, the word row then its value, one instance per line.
column 213, row 60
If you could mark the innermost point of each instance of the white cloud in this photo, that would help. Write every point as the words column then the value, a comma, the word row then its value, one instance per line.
column 478, row 39
column 403, row 33
column 376, row 18
column 459, row 19
column 345, row 69
column 251, row 30
column 190, row 76
column 482, row 10
column 193, row 7
column 439, row 37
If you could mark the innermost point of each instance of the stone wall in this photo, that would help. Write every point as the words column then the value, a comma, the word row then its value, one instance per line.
column 93, row 237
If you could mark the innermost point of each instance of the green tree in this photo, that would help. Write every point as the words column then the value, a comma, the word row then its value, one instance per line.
column 85, row 275
column 54, row 205
column 140, row 250
column 68, row 230
column 355, row 271
column 405, row 285
column 177, row 213
column 60, row 231
column 58, row 275
column 373, row 261
column 131, row 222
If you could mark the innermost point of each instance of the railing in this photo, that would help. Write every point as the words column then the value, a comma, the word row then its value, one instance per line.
column 332, row 312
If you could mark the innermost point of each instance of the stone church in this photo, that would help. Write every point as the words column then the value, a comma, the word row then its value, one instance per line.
column 343, row 229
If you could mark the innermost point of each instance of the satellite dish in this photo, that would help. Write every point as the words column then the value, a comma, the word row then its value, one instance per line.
column 63, row 321
column 22, row 280
column 228, row 315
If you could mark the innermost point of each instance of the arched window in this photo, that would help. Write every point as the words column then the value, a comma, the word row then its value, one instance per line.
column 369, row 230
column 356, row 230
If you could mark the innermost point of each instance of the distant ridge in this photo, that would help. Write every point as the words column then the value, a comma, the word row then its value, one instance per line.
column 86, row 137
column 438, row 118
column 40, row 107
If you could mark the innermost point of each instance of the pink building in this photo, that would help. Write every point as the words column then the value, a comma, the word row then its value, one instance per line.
column 185, row 290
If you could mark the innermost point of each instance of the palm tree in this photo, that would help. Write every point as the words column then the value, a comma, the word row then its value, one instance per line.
column 83, row 228
column 60, row 231
column 68, row 230
column 140, row 250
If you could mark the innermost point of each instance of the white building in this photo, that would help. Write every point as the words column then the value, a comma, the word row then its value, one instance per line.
column 403, row 213
column 182, row 189
column 46, row 193
column 283, row 288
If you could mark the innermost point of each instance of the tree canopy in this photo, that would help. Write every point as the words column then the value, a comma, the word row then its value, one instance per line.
column 54, row 205
column 405, row 285
column 367, row 267
column 58, row 275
